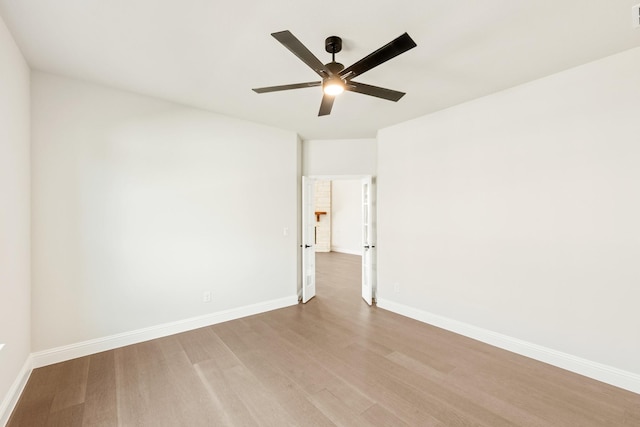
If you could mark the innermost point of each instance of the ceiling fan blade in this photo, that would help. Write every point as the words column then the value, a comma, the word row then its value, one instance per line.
column 326, row 105
column 379, row 92
column 385, row 53
column 286, row 87
column 298, row 49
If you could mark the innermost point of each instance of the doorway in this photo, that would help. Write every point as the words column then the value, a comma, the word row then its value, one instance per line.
column 315, row 218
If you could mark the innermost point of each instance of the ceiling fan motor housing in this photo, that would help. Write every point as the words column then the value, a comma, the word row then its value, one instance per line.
column 334, row 67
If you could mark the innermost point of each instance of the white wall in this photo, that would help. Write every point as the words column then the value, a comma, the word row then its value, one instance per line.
column 339, row 157
column 519, row 212
column 14, row 216
column 140, row 206
column 346, row 216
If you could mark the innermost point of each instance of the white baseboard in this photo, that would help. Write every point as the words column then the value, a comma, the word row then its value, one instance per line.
column 346, row 250
column 85, row 348
column 11, row 399
column 598, row 371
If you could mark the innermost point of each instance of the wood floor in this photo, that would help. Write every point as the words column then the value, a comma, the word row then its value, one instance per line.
column 333, row 361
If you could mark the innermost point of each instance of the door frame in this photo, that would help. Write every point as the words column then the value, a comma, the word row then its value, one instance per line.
column 373, row 202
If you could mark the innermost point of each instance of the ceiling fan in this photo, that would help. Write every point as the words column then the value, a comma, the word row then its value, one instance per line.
column 335, row 77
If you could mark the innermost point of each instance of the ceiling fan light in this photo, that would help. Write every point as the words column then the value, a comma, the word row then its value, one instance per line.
column 333, row 86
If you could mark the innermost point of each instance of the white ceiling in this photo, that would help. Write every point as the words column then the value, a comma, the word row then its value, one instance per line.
column 209, row 54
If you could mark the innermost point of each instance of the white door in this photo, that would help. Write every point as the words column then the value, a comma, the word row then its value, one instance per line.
column 368, row 245
column 308, row 240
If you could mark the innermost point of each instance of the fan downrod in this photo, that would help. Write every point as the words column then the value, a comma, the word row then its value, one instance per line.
column 333, row 45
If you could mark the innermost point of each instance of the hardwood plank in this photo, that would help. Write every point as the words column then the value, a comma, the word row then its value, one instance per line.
column 379, row 416
column 228, row 407
column 291, row 396
column 262, row 405
column 69, row 416
column 307, row 374
column 72, row 385
column 370, row 385
column 34, row 405
column 339, row 413
column 131, row 386
column 229, row 333
column 203, row 344
column 350, row 396
column 631, row 417
column 100, row 407
column 448, row 408
column 161, row 391
column 167, row 346
column 510, row 411
column 538, row 398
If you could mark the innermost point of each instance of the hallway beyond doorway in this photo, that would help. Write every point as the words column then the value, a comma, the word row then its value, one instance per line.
column 339, row 277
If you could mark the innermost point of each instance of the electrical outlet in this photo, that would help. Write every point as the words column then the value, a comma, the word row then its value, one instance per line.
column 396, row 288
column 206, row 296
column 635, row 14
